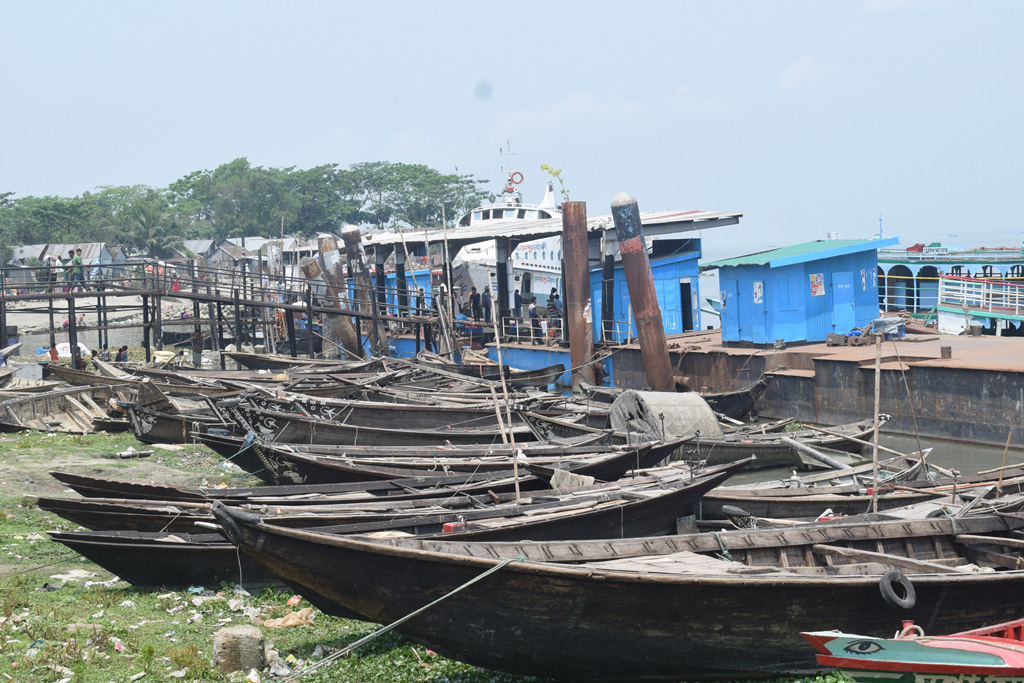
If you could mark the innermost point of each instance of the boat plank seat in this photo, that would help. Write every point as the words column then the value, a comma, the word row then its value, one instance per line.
column 885, row 558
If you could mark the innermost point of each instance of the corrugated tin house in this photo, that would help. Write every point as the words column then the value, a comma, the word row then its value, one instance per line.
column 676, row 277
column 799, row 293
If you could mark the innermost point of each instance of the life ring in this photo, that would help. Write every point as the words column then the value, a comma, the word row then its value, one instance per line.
column 889, row 593
column 512, row 178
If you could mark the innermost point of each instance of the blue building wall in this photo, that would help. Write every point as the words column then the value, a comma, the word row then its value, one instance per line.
column 799, row 302
column 667, row 273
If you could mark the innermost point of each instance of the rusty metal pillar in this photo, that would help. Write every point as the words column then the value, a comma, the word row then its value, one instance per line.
column 637, row 267
column 577, row 289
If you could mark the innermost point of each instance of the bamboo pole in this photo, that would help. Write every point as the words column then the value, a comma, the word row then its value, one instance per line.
column 874, row 449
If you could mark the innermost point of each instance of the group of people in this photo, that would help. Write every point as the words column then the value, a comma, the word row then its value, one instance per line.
column 71, row 271
column 120, row 356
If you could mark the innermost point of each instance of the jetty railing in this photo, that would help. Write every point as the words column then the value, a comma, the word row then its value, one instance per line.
column 992, row 296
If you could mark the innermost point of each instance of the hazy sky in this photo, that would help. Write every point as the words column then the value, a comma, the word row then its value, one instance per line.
column 808, row 117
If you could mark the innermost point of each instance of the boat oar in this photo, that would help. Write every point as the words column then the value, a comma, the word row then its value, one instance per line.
column 854, row 439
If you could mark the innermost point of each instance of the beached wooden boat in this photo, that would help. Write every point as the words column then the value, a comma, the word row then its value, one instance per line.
column 69, row 410
column 990, row 653
column 290, row 464
column 378, row 414
column 294, row 428
column 171, row 561
column 639, row 507
column 697, row 607
column 179, row 559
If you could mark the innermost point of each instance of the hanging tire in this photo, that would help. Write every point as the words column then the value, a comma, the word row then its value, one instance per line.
column 897, row 590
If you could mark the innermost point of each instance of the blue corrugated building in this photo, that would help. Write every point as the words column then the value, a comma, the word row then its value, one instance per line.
column 799, row 293
column 675, row 269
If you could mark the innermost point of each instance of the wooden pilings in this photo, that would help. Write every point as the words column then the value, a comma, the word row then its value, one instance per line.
column 577, row 289
column 643, row 297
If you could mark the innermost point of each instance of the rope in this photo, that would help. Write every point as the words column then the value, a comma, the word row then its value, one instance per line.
column 376, row 634
column 952, row 519
column 724, row 555
column 910, row 398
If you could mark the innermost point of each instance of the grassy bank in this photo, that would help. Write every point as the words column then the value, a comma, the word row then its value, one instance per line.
column 62, row 618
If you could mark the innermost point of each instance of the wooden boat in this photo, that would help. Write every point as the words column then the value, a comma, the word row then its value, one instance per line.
column 293, row 428
column 171, row 561
column 697, row 607
column 271, row 361
column 10, row 350
column 990, row 653
column 286, row 464
column 377, row 414
column 180, row 559
column 71, row 411
column 638, row 507
column 738, row 404
column 733, row 404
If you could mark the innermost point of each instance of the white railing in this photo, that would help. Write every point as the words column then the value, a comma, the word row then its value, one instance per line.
column 992, row 296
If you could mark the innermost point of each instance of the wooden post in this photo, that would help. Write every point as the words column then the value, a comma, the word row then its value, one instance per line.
column 238, row 320
column 609, row 245
column 53, row 335
column 309, row 318
column 145, row 327
column 99, row 321
column 158, row 317
column 649, row 326
column 220, row 333
column 72, row 330
column 289, row 320
column 576, row 284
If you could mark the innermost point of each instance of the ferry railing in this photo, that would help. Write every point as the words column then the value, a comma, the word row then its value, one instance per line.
column 992, row 296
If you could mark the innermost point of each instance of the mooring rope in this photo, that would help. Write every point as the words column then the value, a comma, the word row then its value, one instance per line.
column 330, row 659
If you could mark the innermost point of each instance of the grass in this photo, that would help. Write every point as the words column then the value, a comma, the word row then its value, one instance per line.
column 62, row 620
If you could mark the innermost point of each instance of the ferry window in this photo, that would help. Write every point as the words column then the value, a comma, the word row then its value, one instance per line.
column 531, row 215
column 477, row 215
column 487, row 214
column 510, row 213
column 545, row 214
column 522, row 213
column 544, row 255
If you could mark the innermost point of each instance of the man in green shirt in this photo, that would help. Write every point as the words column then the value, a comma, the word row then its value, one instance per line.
column 78, row 271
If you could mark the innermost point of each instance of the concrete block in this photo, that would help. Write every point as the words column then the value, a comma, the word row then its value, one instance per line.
column 238, row 648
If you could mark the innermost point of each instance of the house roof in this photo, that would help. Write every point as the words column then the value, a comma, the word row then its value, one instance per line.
column 198, row 247
column 802, row 253
column 90, row 250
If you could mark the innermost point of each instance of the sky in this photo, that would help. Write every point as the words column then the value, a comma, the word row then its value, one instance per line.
column 809, row 117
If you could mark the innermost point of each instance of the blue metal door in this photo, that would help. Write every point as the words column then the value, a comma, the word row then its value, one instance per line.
column 730, row 312
column 844, row 316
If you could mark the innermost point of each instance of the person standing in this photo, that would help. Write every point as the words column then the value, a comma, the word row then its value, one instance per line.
column 54, row 357
column 474, row 303
column 517, row 305
column 535, row 322
column 78, row 270
column 485, row 301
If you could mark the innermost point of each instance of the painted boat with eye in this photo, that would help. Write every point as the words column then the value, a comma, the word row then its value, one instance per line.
column 994, row 654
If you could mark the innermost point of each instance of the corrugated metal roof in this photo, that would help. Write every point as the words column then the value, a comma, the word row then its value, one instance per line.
column 90, row 250
column 800, row 253
column 523, row 230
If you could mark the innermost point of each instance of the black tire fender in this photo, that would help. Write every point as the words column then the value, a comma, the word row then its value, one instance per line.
column 892, row 595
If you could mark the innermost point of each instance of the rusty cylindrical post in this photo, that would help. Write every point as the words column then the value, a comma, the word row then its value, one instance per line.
column 577, row 289
column 637, row 267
